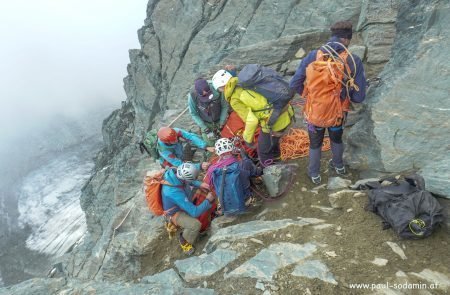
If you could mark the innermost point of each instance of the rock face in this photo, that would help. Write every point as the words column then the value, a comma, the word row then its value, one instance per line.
column 179, row 42
column 182, row 40
column 405, row 116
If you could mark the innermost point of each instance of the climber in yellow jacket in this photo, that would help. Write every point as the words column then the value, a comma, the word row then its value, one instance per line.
column 254, row 110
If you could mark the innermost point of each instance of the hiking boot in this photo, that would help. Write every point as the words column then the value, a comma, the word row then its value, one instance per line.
column 316, row 179
column 340, row 171
column 187, row 248
column 251, row 201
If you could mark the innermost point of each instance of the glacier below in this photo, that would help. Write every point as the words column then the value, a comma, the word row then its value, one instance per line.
column 49, row 201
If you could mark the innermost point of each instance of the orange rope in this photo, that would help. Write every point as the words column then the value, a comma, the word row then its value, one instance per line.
column 295, row 144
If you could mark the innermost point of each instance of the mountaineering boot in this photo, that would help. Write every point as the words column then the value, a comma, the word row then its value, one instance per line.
column 316, row 179
column 340, row 171
column 187, row 248
column 314, row 165
column 336, row 163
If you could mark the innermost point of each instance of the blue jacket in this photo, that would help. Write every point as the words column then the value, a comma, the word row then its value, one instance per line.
column 360, row 79
column 173, row 153
column 193, row 109
column 180, row 198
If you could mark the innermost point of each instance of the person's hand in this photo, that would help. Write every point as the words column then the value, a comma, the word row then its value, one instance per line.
column 204, row 186
column 205, row 166
column 211, row 149
column 210, row 197
column 229, row 68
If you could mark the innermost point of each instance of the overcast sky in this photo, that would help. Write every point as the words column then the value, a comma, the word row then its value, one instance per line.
column 63, row 56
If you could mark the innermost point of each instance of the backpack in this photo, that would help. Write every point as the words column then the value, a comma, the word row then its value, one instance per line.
column 406, row 207
column 209, row 111
column 269, row 84
column 228, row 185
column 152, row 187
column 150, row 144
column 206, row 217
column 323, row 85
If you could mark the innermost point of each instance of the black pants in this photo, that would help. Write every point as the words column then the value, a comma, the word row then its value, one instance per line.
column 315, row 146
column 268, row 148
column 316, row 138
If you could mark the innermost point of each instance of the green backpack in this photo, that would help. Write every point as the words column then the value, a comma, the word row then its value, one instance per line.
column 150, row 144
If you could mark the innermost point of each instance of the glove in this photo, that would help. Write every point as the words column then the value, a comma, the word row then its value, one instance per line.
column 210, row 135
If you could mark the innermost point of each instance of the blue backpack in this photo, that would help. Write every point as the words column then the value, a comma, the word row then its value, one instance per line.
column 229, row 188
column 269, row 84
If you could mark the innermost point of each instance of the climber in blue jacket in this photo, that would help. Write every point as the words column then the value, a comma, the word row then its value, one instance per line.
column 170, row 147
column 341, row 35
column 177, row 202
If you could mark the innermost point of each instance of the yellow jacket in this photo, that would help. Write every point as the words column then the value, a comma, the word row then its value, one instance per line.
column 246, row 102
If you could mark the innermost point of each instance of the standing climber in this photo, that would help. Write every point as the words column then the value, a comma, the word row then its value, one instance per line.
column 254, row 110
column 329, row 78
column 208, row 109
column 177, row 202
column 170, row 147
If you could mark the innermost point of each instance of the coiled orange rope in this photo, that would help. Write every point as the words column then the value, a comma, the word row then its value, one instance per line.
column 295, row 144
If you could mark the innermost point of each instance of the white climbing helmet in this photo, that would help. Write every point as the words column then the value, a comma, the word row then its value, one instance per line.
column 187, row 171
column 223, row 145
column 221, row 78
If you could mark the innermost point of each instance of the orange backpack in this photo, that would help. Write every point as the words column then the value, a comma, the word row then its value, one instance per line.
column 153, row 184
column 325, row 78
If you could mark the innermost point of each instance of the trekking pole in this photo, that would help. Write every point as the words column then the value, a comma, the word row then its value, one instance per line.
column 178, row 117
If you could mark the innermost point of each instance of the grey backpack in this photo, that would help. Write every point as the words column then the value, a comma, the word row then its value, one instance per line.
column 269, row 84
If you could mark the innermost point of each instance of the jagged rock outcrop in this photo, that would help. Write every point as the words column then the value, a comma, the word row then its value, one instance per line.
column 406, row 116
column 180, row 41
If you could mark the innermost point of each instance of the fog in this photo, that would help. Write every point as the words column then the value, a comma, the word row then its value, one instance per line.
column 63, row 57
column 62, row 64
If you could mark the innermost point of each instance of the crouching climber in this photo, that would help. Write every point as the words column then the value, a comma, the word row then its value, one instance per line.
column 177, row 203
column 170, row 147
column 208, row 109
column 254, row 109
column 229, row 178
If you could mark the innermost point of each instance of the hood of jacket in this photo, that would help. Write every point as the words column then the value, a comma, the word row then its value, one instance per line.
column 170, row 176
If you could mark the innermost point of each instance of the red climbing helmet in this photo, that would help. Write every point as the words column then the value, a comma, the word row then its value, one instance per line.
column 167, row 135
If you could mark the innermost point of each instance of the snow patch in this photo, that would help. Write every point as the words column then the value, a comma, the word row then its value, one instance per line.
column 49, row 203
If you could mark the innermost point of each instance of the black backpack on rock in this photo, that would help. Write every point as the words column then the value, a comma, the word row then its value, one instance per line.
column 405, row 206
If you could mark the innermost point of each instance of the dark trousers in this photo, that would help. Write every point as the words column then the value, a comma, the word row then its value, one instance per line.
column 315, row 145
column 268, row 148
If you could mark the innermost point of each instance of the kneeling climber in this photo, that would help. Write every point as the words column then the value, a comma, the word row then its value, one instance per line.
column 230, row 177
column 177, row 202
